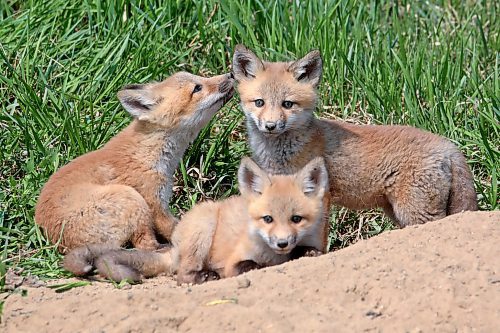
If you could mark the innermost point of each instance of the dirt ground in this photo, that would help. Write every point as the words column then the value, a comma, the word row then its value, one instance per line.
column 442, row 276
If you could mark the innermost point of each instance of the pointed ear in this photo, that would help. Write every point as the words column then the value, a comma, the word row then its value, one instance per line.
column 314, row 178
column 246, row 64
column 251, row 178
column 137, row 99
column 308, row 69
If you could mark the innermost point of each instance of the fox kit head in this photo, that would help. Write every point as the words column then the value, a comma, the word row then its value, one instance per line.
column 277, row 96
column 284, row 208
column 183, row 100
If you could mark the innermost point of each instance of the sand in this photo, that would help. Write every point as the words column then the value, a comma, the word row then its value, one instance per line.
column 442, row 276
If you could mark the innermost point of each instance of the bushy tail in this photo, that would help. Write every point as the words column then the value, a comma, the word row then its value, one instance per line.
column 80, row 261
column 462, row 194
column 117, row 264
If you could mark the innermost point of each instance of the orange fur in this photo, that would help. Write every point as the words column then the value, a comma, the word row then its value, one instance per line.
column 120, row 193
column 415, row 176
column 228, row 237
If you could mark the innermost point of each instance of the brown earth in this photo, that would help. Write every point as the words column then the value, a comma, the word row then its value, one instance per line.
column 442, row 276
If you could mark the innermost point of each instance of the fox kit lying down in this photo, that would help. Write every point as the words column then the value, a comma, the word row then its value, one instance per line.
column 415, row 176
column 120, row 193
column 273, row 216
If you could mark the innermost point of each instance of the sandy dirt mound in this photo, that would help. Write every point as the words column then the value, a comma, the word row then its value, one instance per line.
column 442, row 276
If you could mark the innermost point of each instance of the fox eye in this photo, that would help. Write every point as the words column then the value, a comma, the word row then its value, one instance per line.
column 287, row 104
column 259, row 103
column 296, row 218
column 197, row 88
column 267, row 218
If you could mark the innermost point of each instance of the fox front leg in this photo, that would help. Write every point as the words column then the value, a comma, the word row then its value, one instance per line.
column 240, row 267
column 164, row 224
column 246, row 266
column 305, row 251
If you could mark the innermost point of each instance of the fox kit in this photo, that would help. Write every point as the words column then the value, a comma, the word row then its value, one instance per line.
column 274, row 215
column 120, row 193
column 415, row 176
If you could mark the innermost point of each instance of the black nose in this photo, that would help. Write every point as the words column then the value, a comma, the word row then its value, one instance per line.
column 225, row 86
column 231, row 75
column 270, row 125
column 282, row 244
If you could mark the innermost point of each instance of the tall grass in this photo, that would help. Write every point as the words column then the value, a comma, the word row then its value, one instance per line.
column 434, row 65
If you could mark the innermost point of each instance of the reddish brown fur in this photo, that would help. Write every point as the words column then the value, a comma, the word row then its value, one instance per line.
column 218, row 236
column 415, row 176
column 226, row 238
column 120, row 193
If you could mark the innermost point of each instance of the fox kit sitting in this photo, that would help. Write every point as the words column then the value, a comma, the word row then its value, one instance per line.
column 120, row 193
column 415, row 176
column 273, row 216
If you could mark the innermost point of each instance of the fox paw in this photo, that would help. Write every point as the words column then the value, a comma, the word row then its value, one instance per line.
column 312, row 252
column 205, row 276
column 305, row 251
column 247, row 265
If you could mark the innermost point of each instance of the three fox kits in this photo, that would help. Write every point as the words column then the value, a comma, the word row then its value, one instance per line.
column 120, row 193
column 415, row 176
column 274, row 215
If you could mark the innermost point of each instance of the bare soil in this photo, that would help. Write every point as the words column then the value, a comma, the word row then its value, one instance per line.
column 442, row 276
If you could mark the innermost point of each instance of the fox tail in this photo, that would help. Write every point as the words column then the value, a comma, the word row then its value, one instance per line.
column 117, row 264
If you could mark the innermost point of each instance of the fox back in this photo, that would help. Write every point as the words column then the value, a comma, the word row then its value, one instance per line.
column 120, row 193
column 413, row 175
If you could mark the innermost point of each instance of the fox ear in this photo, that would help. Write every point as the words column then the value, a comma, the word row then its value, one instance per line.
column 314, row 178
column 308, row 69
column 245, row 63
column 251, row 178
column 137, row 99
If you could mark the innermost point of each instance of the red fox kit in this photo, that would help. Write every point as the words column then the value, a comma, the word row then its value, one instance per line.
column 273, row 216
column 413, row 175
column 120, row 193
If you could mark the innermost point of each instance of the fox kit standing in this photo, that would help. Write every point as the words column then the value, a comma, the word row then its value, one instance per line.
column 120, row 193
column 273, row 216
column 415, row 176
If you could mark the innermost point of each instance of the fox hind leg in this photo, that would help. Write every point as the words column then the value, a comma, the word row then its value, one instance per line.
column 424, row 198
column 111, row 214
column 412, row 214
column 164, row 225
column 191, row 267
column 192, row 242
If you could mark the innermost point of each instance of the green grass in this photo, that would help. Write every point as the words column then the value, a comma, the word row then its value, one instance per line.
column 434, row 65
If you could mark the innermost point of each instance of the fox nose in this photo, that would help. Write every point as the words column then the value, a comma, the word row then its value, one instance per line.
column 270, row 125
column 282, row 243
column 225, row 86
